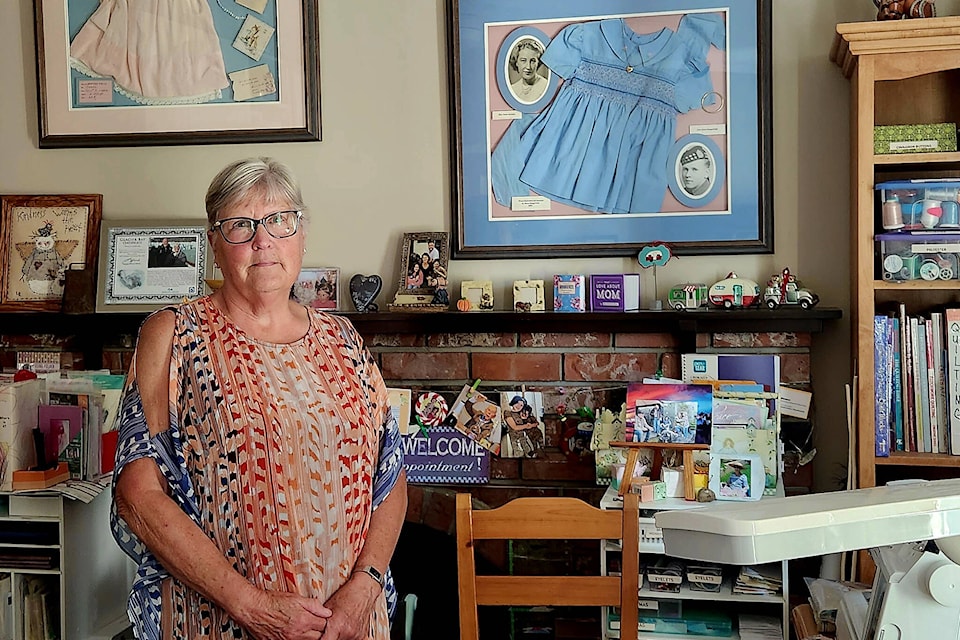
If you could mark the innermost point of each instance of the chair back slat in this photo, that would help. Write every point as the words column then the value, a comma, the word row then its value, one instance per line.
column 552, row 518
column 563, row 591
column 546, row 519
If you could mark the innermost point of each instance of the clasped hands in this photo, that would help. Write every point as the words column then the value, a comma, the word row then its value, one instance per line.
column 346, row 615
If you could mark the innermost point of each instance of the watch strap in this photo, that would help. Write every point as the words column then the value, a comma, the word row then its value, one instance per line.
column 374, row 573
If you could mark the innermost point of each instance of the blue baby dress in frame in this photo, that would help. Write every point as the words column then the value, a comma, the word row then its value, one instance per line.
column 602, row 145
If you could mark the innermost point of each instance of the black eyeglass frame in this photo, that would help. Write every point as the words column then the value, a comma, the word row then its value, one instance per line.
column 218, row 225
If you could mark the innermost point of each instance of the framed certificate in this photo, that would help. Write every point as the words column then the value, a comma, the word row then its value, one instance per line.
column 145, row 267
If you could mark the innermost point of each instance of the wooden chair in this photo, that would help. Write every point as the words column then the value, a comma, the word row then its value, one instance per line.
column 548, row 519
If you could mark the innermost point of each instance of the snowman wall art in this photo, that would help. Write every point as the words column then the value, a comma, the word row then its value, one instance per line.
column 44, row 237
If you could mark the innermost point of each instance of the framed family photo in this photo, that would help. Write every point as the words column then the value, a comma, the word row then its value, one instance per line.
column 199, row 72
column 595, row 127
column 143, row 267
column 41, row 238
column 318, row 288
column 424, row 258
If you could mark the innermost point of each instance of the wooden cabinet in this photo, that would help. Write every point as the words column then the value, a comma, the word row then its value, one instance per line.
column 901, row 72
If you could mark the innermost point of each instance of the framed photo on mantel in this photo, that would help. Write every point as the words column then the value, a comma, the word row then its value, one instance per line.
column 144, row 266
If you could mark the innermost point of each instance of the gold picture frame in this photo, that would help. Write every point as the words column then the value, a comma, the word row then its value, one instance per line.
column 422, row 285
column 41, row 238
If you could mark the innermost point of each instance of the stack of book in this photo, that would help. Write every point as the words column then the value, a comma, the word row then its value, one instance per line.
column 917, row 382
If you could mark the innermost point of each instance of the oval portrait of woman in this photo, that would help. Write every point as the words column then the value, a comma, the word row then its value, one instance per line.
column 524, row 81
column 698, row 170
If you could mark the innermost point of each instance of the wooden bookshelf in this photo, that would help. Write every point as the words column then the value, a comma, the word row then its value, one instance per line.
column 901, row 72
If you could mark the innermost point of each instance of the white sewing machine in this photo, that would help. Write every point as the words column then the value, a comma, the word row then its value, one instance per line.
column 916, row 594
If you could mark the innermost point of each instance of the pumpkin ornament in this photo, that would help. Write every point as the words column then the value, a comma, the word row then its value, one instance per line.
column 463, row 304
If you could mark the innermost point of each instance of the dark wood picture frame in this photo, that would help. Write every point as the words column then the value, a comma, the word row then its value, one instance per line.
column 263, row 118
column 734, row 219
column 65, row 233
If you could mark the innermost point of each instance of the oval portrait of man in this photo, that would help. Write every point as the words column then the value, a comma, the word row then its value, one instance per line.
column 696, row 170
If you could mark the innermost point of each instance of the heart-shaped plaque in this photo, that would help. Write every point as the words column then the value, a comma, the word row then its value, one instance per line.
column 364, row 290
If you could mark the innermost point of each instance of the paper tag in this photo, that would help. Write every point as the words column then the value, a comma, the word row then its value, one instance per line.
column 505, row 115
column 794, row 402
column 252, row 83
column 95, row 92
column 709, row 129
column 915, row 145
column 529, row 203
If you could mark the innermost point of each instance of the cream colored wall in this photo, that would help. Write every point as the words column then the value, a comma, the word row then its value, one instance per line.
column 382, row 168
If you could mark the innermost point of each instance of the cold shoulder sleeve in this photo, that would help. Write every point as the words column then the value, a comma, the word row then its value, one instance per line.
column 164, row 448
column 564, row 52
column 699, row 32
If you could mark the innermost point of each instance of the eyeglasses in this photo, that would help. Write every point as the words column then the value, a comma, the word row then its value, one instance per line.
column 281, row 224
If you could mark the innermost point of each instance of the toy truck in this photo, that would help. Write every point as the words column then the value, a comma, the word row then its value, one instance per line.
column 784, row 289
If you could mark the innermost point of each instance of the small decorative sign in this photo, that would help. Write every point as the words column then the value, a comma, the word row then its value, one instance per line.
column 444, row 456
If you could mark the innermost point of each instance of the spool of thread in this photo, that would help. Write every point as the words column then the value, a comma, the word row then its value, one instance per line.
column 892, row 215
column 951, row 214
column 931, row 216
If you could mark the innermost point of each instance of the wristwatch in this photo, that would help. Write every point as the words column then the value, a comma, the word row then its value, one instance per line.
column 374, row 573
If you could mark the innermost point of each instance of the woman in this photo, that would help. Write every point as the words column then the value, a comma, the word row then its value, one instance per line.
column 426, row 266
column 415, row 277
column 258, row 481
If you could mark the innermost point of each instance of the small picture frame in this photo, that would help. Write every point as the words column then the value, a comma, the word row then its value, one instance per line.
column 738, row 477
column 528, row 295
column 318, row 288
column 41, row 238
column 423, row 263
column 143, row 267
column 479, row 293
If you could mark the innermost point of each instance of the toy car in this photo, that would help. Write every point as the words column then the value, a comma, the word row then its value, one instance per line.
column 687, row 296
column 734, row 291
column 784, row 289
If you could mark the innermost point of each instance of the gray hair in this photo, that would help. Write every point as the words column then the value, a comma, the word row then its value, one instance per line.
column 242, row 179
column 529, row 43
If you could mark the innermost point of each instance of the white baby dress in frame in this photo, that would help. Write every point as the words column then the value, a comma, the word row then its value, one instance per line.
column 156, row 51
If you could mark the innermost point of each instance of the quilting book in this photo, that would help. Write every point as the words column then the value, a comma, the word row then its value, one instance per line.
column 761, row 368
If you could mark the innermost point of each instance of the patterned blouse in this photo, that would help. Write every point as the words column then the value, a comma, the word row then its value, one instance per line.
column 279, row 452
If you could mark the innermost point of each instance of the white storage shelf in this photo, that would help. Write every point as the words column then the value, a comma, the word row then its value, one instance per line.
column 84, row 563
column 651, row 545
